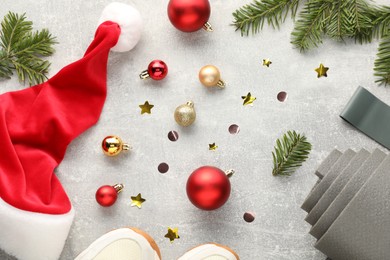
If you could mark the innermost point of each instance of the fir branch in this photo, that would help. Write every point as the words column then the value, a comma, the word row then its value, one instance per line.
column 381, row 23
column 382, row 63
column 290, row 152
column 22, row 50
column 251, row 17
column 340, row 22
column 310, row 26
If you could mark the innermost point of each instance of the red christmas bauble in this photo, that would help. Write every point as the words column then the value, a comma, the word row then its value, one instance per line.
column 157, row 69
column 208, row 188
column 106, row 195
column 189, row 15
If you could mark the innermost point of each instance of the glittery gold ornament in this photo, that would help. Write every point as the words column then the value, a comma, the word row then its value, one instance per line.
column 137, row 200
column 210, row 77
column 185, row 114
column 172, row 234
column 248, row 99
column 146, row 108
column 112, row 145
column 267, row 62
column 321, row 71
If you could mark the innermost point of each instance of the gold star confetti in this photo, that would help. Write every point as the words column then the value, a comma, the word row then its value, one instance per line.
column 248, row 99
column 146, row 108
column 172, row 234
column 267, row 62
column 213, row 147
column 321, row 71
column 137, row 201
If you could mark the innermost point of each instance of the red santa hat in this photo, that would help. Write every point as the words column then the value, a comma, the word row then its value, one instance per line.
column 36, row 126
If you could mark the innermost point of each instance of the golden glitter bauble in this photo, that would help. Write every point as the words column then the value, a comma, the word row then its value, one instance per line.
column 185, row 114
column 112, row 145
column 210, row 77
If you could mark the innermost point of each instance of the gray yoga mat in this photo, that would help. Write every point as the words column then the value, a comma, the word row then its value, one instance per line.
column 337, row 185
column 362, row 231
column 346, row 195
column 327, row 180
column 329, row 161
column 370, row 115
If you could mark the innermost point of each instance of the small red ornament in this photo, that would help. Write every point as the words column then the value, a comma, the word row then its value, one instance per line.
column 157, row 70
column 106, row 195
column 208, row 187
column 189, row 15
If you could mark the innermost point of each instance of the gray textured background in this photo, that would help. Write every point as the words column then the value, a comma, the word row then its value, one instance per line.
column 313, row 105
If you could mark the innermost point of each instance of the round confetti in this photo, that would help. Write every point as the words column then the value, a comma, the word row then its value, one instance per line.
column 173, row 136
column 282, row 96
column 163, row 167
column 249, row 217
column 234, row 129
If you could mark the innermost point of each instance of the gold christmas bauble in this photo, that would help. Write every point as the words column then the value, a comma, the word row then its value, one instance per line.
column 210, row 76
column 112, row 145
column 185, row 114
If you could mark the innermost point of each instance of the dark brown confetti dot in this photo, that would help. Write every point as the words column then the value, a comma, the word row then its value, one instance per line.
column 173, row 136
column 249, row 217
column 163, row 167
column 282, row 96
column 234, row 129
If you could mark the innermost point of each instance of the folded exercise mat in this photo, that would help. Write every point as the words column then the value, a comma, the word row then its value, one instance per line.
column 362, row 231
column 328, row 163
column 327, row 180
column 346, row 195
column 337, row 185
column 370, row 115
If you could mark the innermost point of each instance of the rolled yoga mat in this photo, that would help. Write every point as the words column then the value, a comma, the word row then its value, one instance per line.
column 348, row 192
column 362, row 230
column 327, row 180
column 370, row 115
column 337, row 185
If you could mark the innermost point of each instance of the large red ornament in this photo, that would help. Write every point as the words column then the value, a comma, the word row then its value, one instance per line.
column 189, row 15
column 208, row 188
column 107, row 195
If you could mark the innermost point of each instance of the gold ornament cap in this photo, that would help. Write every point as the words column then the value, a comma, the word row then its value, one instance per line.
column 185, row 114
column 119, row 187
column 207, row 26
column 210, row 76
column 112, row 145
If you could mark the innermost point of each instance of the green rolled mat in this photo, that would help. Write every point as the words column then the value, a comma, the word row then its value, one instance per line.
column 370, row 115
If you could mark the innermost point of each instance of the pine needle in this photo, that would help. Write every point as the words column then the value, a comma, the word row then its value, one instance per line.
column 382, row 63
column 290, row 152
column 311, row 24
column 252, row 17
column 22, row 50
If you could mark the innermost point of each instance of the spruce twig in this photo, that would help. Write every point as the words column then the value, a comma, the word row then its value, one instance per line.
column 22, row 50
column 252, row 17
column 382, row 63
column 290, row 152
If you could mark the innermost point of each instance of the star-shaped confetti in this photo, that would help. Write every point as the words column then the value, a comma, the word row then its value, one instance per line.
column 137, row 200
column 248, row 99
column 213, row 147
column 172, row 234
column 321, row 71
column 267, row 62
column 146, row 108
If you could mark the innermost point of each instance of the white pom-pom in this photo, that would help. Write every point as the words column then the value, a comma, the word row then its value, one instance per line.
column 130, row 21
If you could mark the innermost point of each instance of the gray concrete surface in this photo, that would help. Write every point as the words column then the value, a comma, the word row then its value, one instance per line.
column 312, row 107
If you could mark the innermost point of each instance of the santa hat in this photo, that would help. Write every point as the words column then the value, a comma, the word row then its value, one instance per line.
column 36, row 126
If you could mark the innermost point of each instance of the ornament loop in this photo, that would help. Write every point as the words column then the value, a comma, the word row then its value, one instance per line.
column 119, row 187
column 126, row 147
column 144, row 74
column 207, row 26
column 221, row 84
column 230, row 173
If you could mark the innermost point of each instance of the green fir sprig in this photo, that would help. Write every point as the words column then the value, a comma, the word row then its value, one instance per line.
column 290, row 152
column 338, row 19
column 22, row 50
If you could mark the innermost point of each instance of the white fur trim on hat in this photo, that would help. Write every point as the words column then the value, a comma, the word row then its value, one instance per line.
column 31, row 236
column 130, row 21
